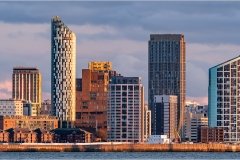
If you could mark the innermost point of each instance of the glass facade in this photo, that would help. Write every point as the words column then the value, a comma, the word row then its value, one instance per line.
column 224, row 98
column 166, row 71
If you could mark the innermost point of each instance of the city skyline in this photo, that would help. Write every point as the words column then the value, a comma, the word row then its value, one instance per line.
column 26, row 38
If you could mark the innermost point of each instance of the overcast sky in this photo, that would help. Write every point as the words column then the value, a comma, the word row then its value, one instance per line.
column 119, row 32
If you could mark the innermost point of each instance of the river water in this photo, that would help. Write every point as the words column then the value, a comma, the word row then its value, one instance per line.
column 119, row 155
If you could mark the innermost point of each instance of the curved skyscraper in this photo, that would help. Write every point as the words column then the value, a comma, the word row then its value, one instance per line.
column 63, row 74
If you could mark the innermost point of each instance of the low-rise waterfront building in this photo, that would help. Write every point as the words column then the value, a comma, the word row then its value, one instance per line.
column 4, row 136
column 158, row 139
column 21, row 135
column 44, row 136
column 210, row 134
column 71, row 135
column 28, row 122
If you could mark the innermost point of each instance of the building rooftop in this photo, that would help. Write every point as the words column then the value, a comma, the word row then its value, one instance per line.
column 126, row 80
column 27, row 117
column 226, row 62
column 14, row 130
column 68, row 131
column 164, row 37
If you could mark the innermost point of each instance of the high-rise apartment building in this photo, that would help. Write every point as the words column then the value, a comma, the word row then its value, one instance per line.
column 166, row 71
column 165, row 115
column 63, row 74
column 223, row 98
column 27, row 85
column 92, row 94
column 126, row 109
column 91, row 102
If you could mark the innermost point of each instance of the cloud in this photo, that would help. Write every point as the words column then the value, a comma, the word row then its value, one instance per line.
column 119, row 32
column 201, row 22
column 200, row 100
column 5, row 89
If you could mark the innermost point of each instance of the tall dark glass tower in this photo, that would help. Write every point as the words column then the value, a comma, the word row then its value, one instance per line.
column 63, row 75
column 166, row 72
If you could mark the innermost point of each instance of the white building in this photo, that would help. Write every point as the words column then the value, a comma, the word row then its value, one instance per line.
column 11, row 107
column 165, row 115
column 195, row 117
column 126, row 109
column 158, row 139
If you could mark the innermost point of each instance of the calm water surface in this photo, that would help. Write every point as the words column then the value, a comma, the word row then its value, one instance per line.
column 118, row 155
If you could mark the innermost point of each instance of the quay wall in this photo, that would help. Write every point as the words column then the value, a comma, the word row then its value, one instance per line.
column 119, row 148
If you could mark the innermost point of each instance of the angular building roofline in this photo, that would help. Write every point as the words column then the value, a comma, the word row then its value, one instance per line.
column 225, row 62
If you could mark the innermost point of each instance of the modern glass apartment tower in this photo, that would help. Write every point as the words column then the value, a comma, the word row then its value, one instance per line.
column 166, row 71
column 27, row 85
column 63, row 75
column 224, row 98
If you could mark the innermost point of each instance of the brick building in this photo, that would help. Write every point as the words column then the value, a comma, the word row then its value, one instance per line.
column 44, row 136
column 28, row 122
column 4, row 136
column 210, row 134
column 21, row 135
column 71, row 135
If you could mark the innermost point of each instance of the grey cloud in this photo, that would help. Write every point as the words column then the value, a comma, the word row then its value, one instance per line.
column 203, row 22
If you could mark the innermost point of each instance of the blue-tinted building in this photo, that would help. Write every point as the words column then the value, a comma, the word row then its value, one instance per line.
column 224, row 98
column 167, row 72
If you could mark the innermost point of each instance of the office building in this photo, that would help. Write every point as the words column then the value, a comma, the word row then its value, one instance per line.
column 46, row 107
column 223, row 98
column 27, row 85
column 147, row 122
column 63, row 73
column 28, row 122
column 126, row 109
column 166, row 71
column 165, row 115
column 195, row 117
column 11, row 107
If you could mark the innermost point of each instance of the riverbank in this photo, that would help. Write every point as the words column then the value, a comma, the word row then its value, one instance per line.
column 119, row 148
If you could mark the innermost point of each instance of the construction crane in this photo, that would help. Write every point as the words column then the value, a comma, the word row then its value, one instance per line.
column 177, row 136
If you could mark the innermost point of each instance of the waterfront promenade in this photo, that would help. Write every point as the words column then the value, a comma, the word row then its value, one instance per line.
column 114, row 147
